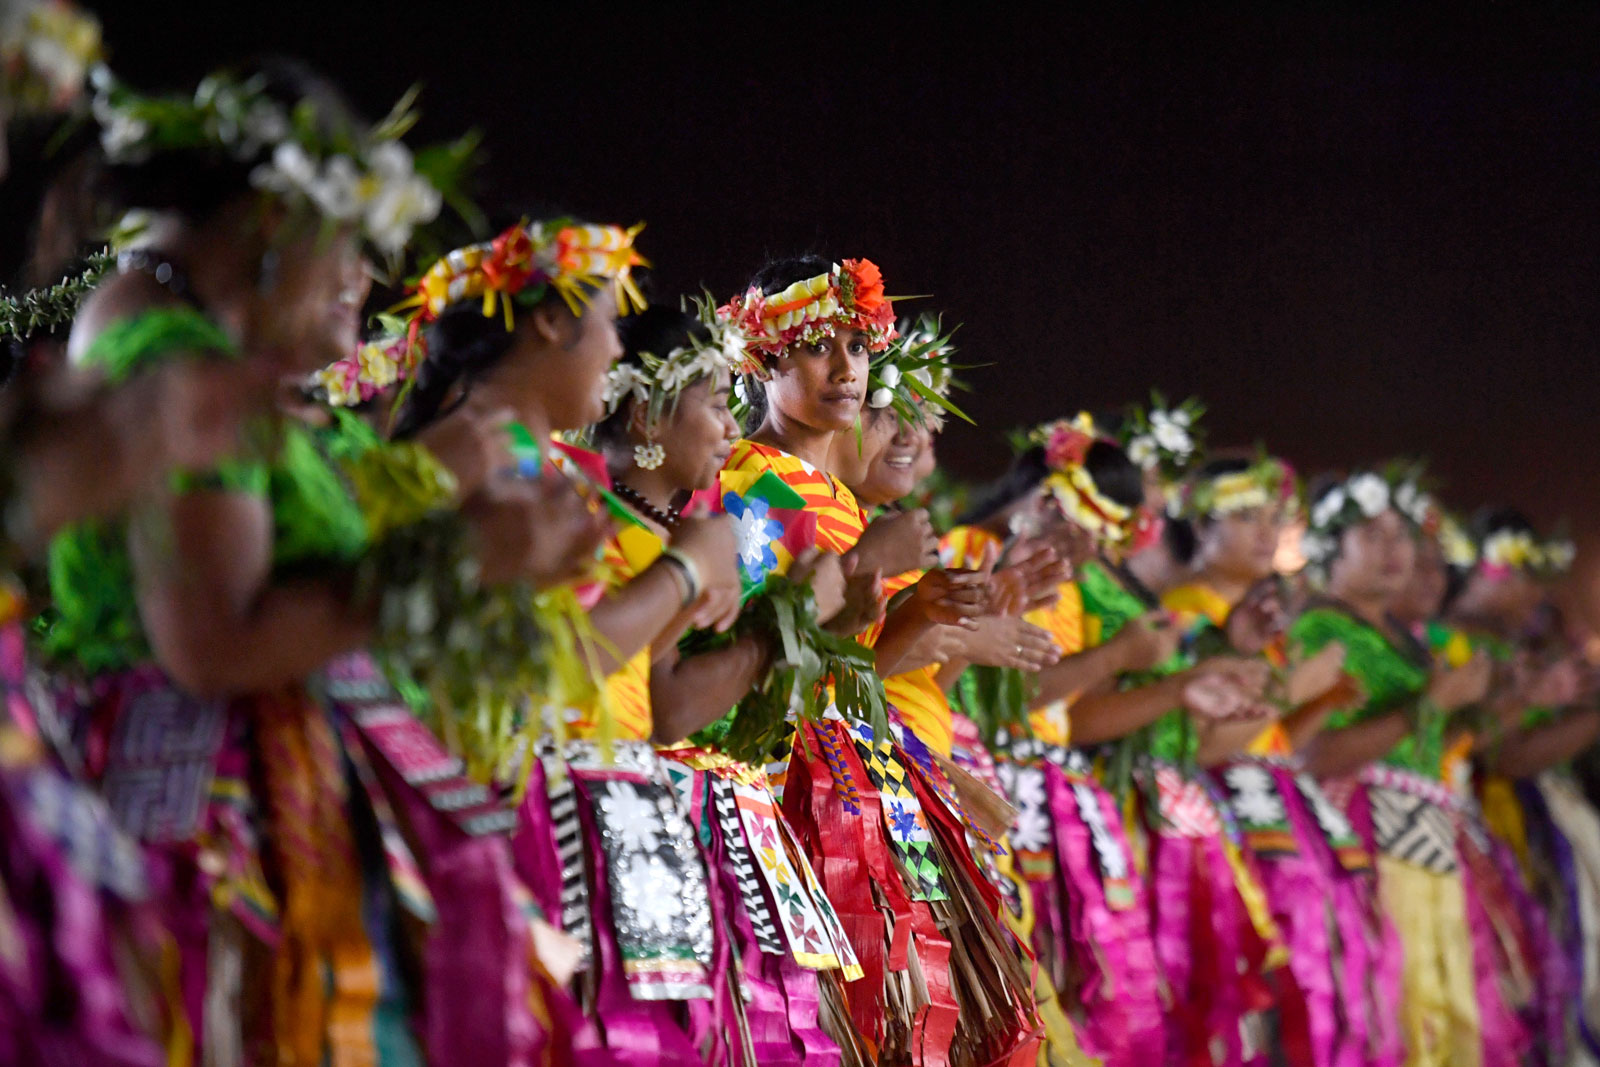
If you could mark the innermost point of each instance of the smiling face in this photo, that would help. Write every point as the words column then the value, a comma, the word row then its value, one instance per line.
column 820, row 385
column 886, row 467
column 696, row 436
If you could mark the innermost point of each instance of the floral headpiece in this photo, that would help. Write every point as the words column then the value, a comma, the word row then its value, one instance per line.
column 848, row 297
column 1364, row 495
column 661, row 379
column 375, row 365
column 526, row 262
column 1268, row 482
column 915, row 366
column 1066, row 445
column 46, row 52
column 1508, row 550
column 1163, row 437
column 367, row 178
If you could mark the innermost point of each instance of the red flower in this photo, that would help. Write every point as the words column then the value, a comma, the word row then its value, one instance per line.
column 866, row 285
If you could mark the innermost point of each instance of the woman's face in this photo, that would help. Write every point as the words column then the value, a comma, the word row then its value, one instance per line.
column 1511, row 596
column 820, row 385
column 698, row 434
column 890, row 472
column 1375, row 559
column 1423, row 595
column 308, row 312
column 1242, row 544
column 562, row 361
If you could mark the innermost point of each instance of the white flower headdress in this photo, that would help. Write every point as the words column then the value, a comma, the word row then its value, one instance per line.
column 1163, row 437
column 365, row 178
column 658, row 380
column 914, row 375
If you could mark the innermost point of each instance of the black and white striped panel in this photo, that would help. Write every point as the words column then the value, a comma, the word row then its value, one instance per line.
column 1412, row 829
column 743, row 861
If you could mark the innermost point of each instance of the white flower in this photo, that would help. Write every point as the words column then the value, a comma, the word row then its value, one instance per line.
column 1315, row 547
column 1029, row 790
column 1143, row 451
column 336, row 191
column 1181, row 417
column 1371, row 494
column 751, row 531
column 122, row 138
column 622, row 381
column 400, row 203
column 1327, row 509
column 390, row 161
column 1559, row 555
column 653, row 891
column 1171, row 436
column 290, row 169
column 881, row 398
column 1255, row 797
column 631, row 817
column 265, row 123
column 890, row 375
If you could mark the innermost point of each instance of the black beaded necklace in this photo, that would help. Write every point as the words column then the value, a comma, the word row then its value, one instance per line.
column 668, row 520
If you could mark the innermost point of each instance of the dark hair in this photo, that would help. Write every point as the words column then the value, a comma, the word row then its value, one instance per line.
column 776, row 276
column 1492, row 520
column 463, row 344
column 658, row 329
column 1114, row 474
column 1178, row 535
column 1027, row 470
column 198, row 182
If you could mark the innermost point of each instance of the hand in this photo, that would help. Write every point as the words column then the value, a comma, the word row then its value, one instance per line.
column 1250, row 674
column 896, row 543
column 825, row 573
column 952, row 598
column 1031, row 579
column 1215, row 697
column 863, row 601
column 471, row 444
column 1147, row 641
column 1071, row 543
column 1011, row 641
column 1317, row 675
column 538, row 530
column 710, row 543
column 1456, row 687
column 1257, row 621
column 1556, row 685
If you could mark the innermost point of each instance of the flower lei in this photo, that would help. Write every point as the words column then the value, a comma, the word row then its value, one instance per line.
column 46, row 52
column 376, row 364
column 914, row 373
column 1267, row 482
column 848, row 297
column 364, row 178
column 657, row 381
column 1163, row 437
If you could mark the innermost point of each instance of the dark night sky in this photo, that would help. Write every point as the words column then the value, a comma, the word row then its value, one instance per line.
column 1352, row 233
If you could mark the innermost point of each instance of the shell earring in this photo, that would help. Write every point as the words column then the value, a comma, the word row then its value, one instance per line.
column 649, row 457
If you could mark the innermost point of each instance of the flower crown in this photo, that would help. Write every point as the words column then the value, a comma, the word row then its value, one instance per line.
column 1066, row 445
column 913, row 374
column 1267, row 482
column 524, row 264
column 848, row 297
column 46, row 52
column 1163, row 437
column 365, row 178
column 1364, row 495
column 1505, row 551
column 657, row 381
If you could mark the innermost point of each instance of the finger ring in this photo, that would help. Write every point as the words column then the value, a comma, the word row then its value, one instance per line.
column 1019, row 650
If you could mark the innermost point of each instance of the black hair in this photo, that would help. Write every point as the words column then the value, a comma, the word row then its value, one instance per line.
column 198, row 182
column 776, row 276
column 658, row 329
column 1178, row 535
column 1489, row 521
column 1114, row 474
column 1027, row 470
column 463, row 344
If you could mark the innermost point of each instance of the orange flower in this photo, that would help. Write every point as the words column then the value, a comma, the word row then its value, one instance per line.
column 866, row 285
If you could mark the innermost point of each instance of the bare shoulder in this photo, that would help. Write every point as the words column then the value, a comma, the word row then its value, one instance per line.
column 121, row 297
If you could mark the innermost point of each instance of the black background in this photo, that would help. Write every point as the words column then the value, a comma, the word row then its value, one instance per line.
column 1353, row 233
